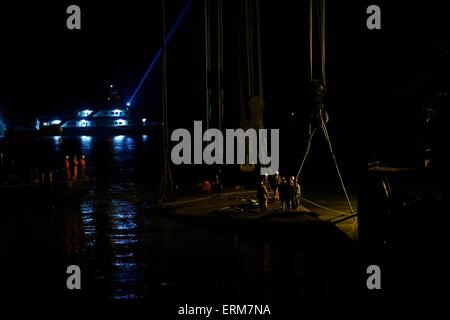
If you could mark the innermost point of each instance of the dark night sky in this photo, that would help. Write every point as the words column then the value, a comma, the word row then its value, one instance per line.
column 378, row 80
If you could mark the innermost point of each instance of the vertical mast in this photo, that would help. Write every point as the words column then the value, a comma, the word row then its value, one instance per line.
column 166, row 186
column 220, row 63
column 207, row 65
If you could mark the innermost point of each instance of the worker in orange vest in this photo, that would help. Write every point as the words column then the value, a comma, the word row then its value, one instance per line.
column 67, row 168
column 75, row 168
column 83, row 166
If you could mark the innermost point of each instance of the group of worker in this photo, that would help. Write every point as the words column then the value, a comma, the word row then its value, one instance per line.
column 288, row 192
column 71, row 167
column 215, row 186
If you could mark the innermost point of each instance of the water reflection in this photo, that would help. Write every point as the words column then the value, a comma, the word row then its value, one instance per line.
column 110, row 219
column 57, row 144
column 74, row 234
column 123, row 143
column 86, row 144
column 118, row 139
column 87, row 213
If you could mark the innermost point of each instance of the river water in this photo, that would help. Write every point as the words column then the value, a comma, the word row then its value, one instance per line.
column 128, row 253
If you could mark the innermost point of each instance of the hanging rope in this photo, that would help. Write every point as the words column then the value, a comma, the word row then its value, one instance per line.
column 251, row 86
column 342, row 213
column 327, row 137
column 308, row 148
column 166, row 186
column 322, row 40
column 321, row 18
column 248, row 47
column 259, row 50
column 319, row 90
column 241, row 62
column 251, row 50
column 311, row 39
column 220, row 61
column 207, row 65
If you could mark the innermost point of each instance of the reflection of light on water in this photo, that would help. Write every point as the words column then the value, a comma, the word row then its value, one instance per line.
column 144, row 138
column 124, row 216
column 125, row 295
column 87, row 213
column 122, row 187
column 86, row 139
column 125, row 226
column 125, row 265
column 127, row 271
column 118, row 139
column 109, row 219
column 86, row 144
column 123, row 143
column 123, row 242
column 125, row 255
column 57, row 141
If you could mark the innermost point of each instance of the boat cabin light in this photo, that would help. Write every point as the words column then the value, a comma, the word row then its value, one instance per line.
column 85, row 113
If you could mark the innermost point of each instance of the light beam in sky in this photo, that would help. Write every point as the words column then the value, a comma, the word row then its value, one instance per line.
column 158, row 54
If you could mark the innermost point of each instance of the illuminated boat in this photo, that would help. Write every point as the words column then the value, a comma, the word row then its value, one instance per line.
column 114, row 118
column 93, row 122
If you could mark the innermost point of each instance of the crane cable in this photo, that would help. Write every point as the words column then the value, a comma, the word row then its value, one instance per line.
column 322, row 35
column 308, row 148
column 327, row 137
column 322, row 39
column 166, row 185
column 259, row 49
column 220, row 63
column 342, row 213
column 311, row 39
column 249, row 48
column 207, row 64
column 321, row 31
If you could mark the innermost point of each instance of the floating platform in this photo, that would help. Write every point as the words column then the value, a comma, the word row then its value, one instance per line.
column 239, row 210
column 36, row 194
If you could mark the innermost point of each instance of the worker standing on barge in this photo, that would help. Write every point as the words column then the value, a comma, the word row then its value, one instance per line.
column 75, row 168
column 67, row 168
column 83, row 166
